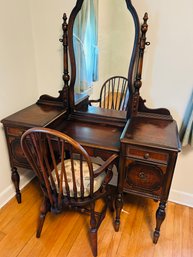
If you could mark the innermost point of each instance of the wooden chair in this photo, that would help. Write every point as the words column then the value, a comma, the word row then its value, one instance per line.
column 67, row 176
column 113, row 94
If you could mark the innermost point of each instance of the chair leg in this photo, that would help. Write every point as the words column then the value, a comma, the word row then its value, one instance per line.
column 93, row 230
column 93, row 237
column 45, row 207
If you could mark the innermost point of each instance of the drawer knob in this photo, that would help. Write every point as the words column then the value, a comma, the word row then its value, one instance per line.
column 142, row 175
column 146, row 156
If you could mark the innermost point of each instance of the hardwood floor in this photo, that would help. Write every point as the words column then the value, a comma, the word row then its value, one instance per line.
column 66, row 234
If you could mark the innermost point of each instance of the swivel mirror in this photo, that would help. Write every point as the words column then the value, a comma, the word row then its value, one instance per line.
column 103, row 37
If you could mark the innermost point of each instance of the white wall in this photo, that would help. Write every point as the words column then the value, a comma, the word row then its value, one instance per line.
column 31, row 64
column 18, row 85
column 47, row 30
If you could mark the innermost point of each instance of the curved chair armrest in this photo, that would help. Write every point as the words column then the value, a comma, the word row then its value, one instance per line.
column 94, row 101
column 105, row 165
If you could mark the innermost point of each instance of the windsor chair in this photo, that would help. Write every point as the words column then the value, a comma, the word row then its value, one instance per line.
column 67, row 176
column 113, row 94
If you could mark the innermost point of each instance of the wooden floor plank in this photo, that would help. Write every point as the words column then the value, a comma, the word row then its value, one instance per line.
column 66, row 234
column 2, row 235
column 128, row 215
column 190, row 231
column 18, row 232
column 81, row 244
column 144, row 234
column 70, row 240
column 41, row 247
column 71, row 219
column 29, row 196
column 186, row 243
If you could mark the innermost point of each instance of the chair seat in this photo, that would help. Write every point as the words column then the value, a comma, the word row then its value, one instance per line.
column 86, row 177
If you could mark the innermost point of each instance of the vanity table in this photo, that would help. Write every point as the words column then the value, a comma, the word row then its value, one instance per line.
column 146, row 140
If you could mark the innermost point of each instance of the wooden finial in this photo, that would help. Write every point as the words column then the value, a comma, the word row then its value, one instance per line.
column 64, row 41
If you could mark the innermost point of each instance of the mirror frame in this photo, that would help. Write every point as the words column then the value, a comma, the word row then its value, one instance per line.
column 72, row 17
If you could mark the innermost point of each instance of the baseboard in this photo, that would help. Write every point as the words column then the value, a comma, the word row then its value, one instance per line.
column 181, row 198
column 9, row 192
column 175, row 195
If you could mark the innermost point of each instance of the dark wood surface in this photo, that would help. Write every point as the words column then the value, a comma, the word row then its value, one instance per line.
column 99, row 136
column 154, row 132
column 149, row 148
column 16, row 124
column 99, row 115
column 34, row 115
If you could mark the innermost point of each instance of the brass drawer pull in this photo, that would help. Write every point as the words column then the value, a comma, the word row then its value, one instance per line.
column 146, row 156
column 142, row 175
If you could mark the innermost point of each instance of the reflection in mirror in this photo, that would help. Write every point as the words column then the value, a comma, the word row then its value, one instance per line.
column 103, row 40
column 85, row 43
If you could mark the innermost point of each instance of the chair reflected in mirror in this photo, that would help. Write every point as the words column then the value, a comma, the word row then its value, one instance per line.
column 67, row 176
column 113, row 94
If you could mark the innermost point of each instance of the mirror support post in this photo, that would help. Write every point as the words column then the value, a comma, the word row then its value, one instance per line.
column 66, row 76
column 63, row 99
column 138, row 82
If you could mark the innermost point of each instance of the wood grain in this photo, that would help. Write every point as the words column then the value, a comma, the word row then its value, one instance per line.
column 66, row 234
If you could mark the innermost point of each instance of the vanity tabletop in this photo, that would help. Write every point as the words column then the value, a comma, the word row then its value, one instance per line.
column 153, row 132
column 94, row 135
column 34, row 115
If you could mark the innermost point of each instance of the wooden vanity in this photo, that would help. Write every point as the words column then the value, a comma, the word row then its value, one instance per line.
column 149, row 149
column 146, row 139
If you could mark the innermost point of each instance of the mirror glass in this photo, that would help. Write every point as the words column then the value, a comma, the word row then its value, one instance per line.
column 103, row 40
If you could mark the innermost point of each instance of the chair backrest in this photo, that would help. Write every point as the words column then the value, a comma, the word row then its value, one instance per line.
column 53, row 157
column 113, row 93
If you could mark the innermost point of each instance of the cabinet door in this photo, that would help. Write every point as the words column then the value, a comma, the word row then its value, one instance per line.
column 16, row 154
column 144, row 178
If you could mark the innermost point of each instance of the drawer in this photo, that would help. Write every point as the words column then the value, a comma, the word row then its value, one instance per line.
column 146, row 154
column 15, row 131
column 144, row 177
column 16, row 153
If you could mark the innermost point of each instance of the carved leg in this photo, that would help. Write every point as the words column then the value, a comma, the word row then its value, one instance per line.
column 93, row 230
column 110, row 199
column 16, row 179
column 45, row 207
column 118, row 207
column 160, row 216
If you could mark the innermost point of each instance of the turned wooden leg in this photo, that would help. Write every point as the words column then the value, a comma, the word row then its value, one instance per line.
column 118, row 207
column 93, row 237
column 160, row 216
column 93, row 230
column 110, row 200
column 45, row 207
column 16, row 179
